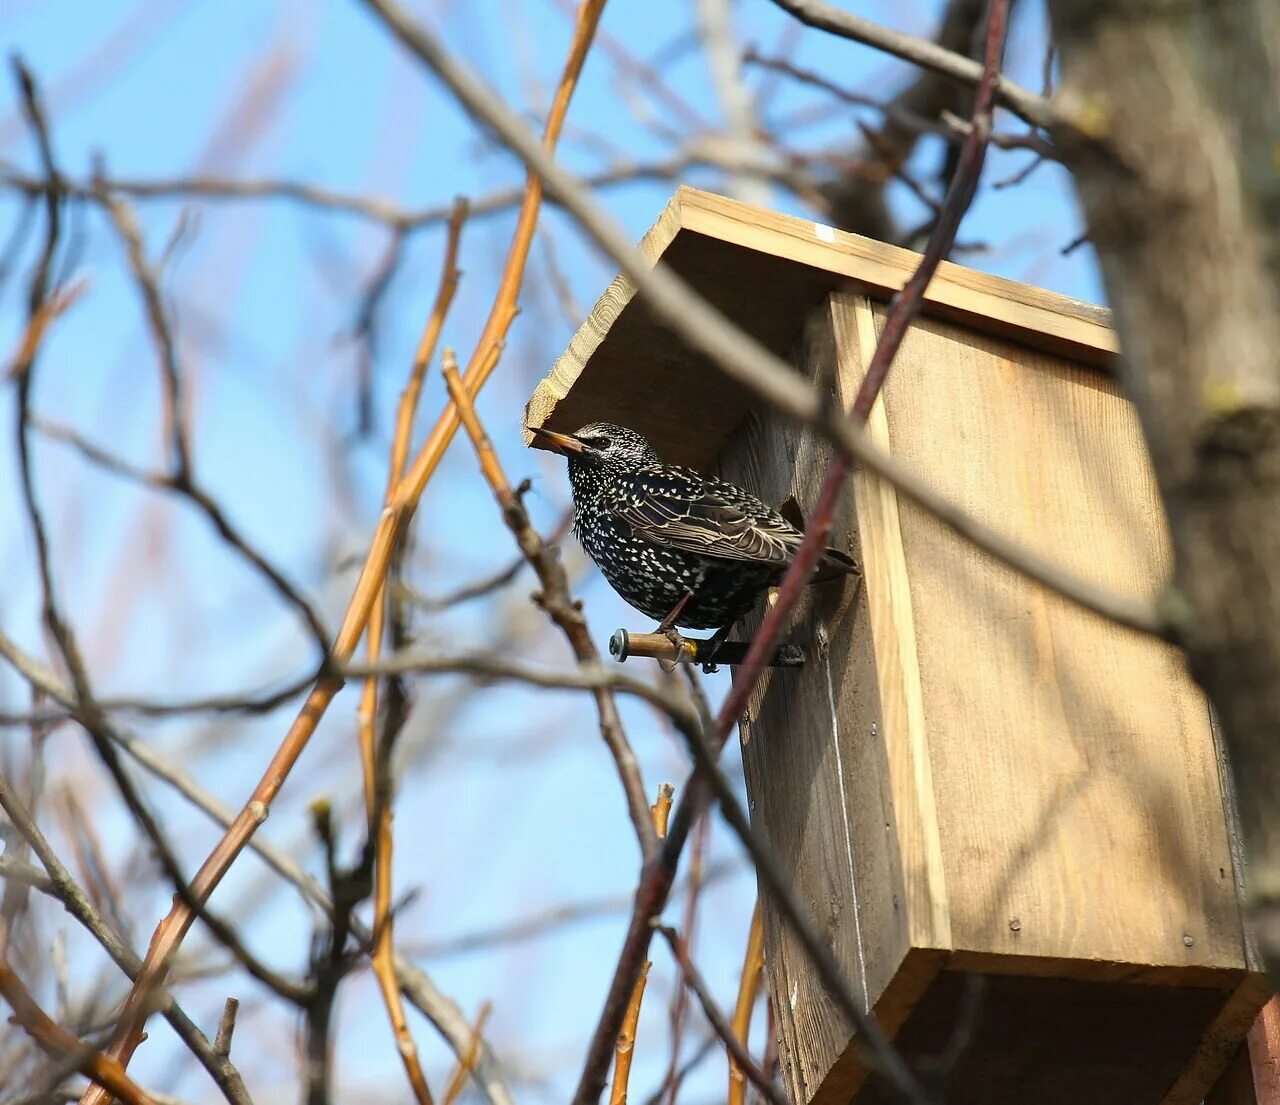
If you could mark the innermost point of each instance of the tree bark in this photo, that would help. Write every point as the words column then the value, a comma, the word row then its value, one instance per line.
column 1170, row 123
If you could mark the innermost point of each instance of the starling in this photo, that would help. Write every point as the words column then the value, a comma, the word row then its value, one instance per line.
column 684, row 548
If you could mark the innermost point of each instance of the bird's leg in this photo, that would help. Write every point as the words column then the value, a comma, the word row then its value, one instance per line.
column 718, row 638
column 667, row 627
column 668, row 623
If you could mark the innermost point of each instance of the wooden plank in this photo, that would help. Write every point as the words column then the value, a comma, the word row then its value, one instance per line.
column 1055, row 1041
column 818, row 781
column 552, row 389
column 767, row 273
column 1073, row 767
column 893, row 633
column 1235, row 1087
column 991, row 304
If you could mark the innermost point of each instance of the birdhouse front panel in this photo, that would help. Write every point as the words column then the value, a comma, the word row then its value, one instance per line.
column 1005, row 814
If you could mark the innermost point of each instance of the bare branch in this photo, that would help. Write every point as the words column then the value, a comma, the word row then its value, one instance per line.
column 919, row 51
column 555, row 599
column 226, row 1027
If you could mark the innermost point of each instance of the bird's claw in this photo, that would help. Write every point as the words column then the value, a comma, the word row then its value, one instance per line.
column 672, row 634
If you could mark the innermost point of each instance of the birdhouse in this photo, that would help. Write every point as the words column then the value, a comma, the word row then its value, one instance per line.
column 1008, row 816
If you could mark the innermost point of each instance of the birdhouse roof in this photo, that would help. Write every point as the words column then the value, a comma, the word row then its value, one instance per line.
column 766, row 272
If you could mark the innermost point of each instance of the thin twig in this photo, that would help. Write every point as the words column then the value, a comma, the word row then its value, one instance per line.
column 376, row 761
column 466, row 1062
column 485, row 586
column 625, row 1049
column 919, row 51
column 947, row 125
column 542, row 922
column 739, row 1057
column 555, row 599
column 226, row 1027
column 748, row 988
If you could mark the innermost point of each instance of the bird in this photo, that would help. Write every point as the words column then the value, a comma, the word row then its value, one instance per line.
column 684, row 548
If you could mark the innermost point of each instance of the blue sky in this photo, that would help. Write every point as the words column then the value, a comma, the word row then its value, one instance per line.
column 508, row 803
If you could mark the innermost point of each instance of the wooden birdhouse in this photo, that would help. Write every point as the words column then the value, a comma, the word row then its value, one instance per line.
column 1007, row 815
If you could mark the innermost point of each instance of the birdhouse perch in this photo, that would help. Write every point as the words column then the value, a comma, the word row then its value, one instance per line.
column 1006, row 814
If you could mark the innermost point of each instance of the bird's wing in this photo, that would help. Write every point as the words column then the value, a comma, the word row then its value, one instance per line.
column 682, row 509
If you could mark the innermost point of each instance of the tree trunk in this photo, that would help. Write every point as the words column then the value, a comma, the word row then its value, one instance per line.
column 1170, row 123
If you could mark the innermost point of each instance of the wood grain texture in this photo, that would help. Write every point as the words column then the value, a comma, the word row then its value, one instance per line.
column 767, row 273
column 1075, row 781
column 1264, row 1053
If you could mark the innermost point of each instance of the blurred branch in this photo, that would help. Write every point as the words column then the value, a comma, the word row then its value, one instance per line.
column 724, row 60
column 748, row 989
column 320, row 198
column 544, row 922
column 646, row 77
column 481, row 588
column 466, row 1062
column 947, row 125
column 919, row 51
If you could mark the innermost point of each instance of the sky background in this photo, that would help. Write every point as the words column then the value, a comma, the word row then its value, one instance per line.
column 508, row 802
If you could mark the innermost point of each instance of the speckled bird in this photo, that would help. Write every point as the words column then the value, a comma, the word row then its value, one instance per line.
column 659, row 533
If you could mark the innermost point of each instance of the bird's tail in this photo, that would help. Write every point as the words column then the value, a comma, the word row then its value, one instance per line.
column 835, row 564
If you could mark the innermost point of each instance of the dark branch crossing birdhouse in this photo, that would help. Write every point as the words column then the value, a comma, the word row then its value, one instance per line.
column 1008, row 816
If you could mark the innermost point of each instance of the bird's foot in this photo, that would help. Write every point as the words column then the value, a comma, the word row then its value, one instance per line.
column 718, row 638
column 681, row 646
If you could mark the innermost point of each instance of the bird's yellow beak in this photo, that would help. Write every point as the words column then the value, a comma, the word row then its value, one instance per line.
column 565, row 444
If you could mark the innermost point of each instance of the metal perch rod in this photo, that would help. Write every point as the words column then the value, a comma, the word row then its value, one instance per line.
column 658, row 646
